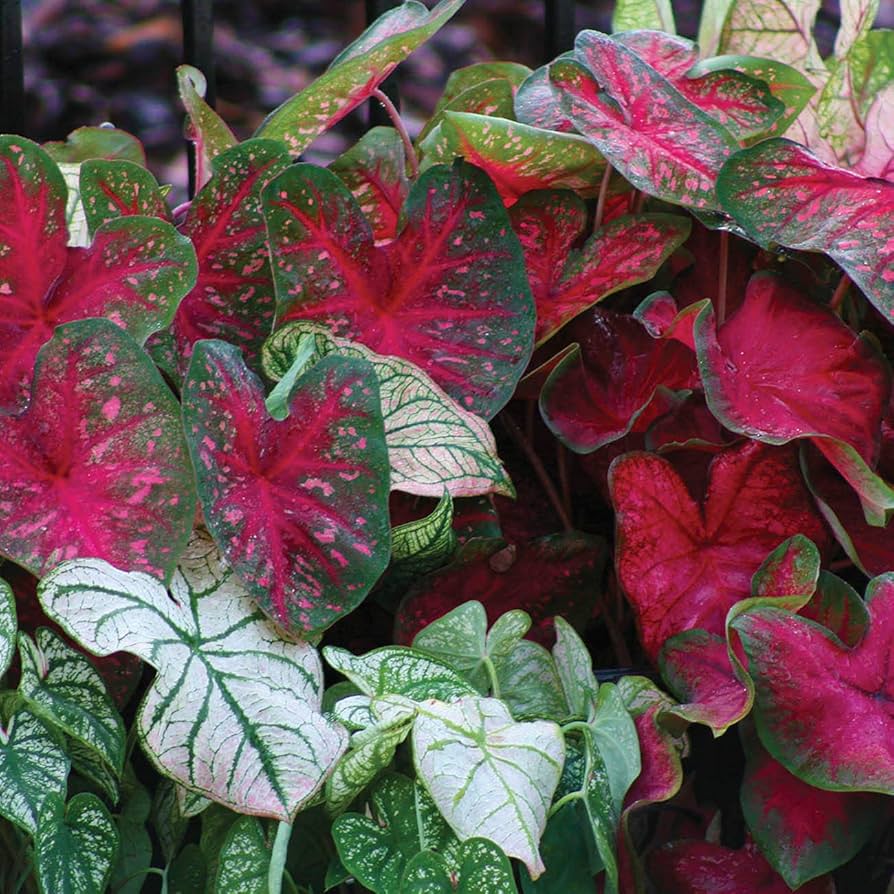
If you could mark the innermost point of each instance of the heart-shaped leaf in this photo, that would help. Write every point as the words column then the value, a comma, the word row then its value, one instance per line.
column 489, row 776
column 322, row 539
column 662, row 143
column 96, row 466
column 449, row 294
column 233, row 712
column 355, row 73
column 433, row 443
column 781, row 193
column 113, row 189
column 75, row 845
column 567, row 280
column 243, row 862
column 529, row 683
column 233, row 298
column 481, row 868
column 575, row 667
column 753, row 387
column 684, row 564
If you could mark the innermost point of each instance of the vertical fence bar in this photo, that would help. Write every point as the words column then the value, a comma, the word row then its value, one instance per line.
column 558, row 27
column 12, row 68
column 377, row 115
column 198, row 50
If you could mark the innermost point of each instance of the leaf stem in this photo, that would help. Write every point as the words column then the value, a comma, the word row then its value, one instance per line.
column 278, row 857
column 401, row 128
column 840, row 293
column 603, row 195
column 722, row 274
column 492, row 677
column 545, row 481
column 564, row 478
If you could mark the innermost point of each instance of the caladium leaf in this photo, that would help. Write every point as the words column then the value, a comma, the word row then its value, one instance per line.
column 8, row 626
column 538, row 101
column 244, row 859
column 355, row 73
column 480, row 868
column 85, row 143
column 494, row 98
column 838, row 607
column 375, row 170
column 75, row 845
column 221, row 666
column 134, row 842
column 113, row 189
column 423, row 545
column 233, row 298
column 793, row 718
column 619, row 379
column 566, row 280
column 428, row 298
column 517, row 157
column 322, row 540
column 575, row 667
column 433, row 443
column 781, row 193
column 33, row 768
column 489, row 776
column 753, row 388
column 630, row 14
column 684, row 564
column 463, row 79
column 530, row 685
column 659, row 141
column 96, row 466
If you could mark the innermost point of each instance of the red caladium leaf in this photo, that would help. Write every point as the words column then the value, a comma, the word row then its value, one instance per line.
column 112, row 189
column 783, row 368
column 702, row 867
column 233, row 298
column 661, row 142
column 375, row 170
column 838, row 607
column 802, row 831
column 96, row 465
column 810, row 687
column 744, row 105
column 619, row 380
column 299, row 508
column 682, row 564
column 566, row 281
column 135, row 272
column 781, row 193
column 449, row 294
column 555, row 575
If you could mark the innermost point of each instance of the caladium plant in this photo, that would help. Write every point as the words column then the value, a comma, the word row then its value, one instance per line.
column 559, row 428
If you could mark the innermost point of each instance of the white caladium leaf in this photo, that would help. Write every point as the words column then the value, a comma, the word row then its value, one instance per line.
column 75, row 216
column 433, row 443
column 575, row 667
column 75, row 845
column 234, row 711
column 489, row 776
column 64, row 689
column 244, row 859
column 33, row 767
column 8, row 625
column 354, row 712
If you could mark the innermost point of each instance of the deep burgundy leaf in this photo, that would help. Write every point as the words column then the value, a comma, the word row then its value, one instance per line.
column 618, row 381
column 823, row 710
column 565, row 280
column 688, row 424
column 556, row 575
column 783, row 368
column 682, row 563
column 96, row 465
column 233, row 298
column 299, row 508
column 112, row 189
column 450, row 293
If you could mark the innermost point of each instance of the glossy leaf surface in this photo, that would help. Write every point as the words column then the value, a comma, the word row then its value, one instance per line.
column 481, row 868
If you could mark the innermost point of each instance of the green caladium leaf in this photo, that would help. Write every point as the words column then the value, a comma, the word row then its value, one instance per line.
column 614, row 734
column 33, row 767
column 75, row 845
column 244, row 859
column 63, row 688
column 568, row 852
column 489, row 776
column 529, row 683
column 420, row 546
column 134, row 843
column 187, row 872
column 517, row 157
column 221, row 666
column 8, row 626
column 433, row 443
column 575, row 668
column 167, row 820
column 396, row 670
column 481, row 868
column 654, row 15
column 355, row 73
column 85, row 143
column 113, row 189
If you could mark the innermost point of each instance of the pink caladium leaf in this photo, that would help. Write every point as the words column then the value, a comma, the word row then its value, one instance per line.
column 661, row 142
column 567, row 280
column 298, row 507
column 782, row 194
column 838, row 607
column 620, row 379
column 233, row 298
column 449, row 293
column 783, row 368
column 810, row 687
column 96, row 465
column 375, row 170
column 801, row 830
column 742, row 104
column 112, row 189
column 682, row 563
column 135, row 272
